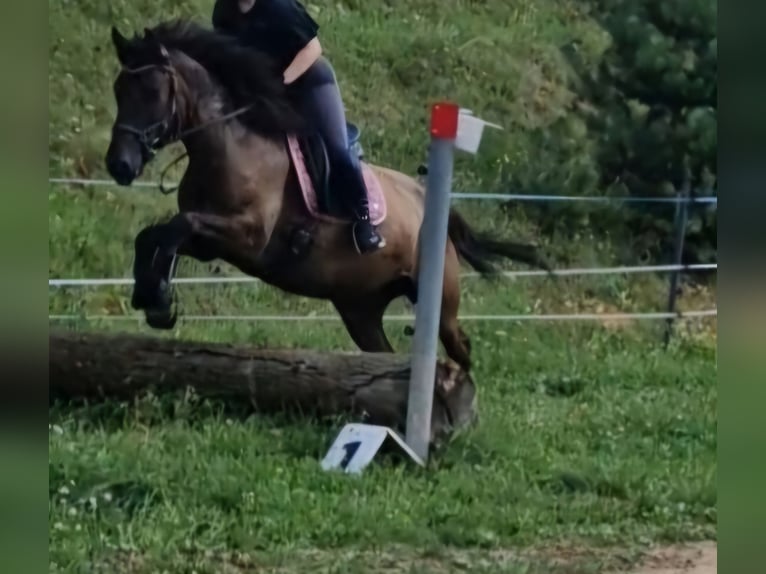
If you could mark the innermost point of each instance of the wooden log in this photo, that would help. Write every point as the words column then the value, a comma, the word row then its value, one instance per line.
column 367, row 387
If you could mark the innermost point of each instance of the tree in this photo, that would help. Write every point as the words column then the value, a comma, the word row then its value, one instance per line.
column 651, row 109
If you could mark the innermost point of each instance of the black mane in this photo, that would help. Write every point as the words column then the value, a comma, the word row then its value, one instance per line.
column 249, row 77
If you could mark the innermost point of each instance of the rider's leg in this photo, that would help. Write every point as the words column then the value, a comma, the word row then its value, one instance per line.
column 324, row 108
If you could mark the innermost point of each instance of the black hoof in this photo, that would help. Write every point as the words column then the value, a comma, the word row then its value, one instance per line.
column 139, row 301
column 152, row 295
column 409, row 331
column 164, row 319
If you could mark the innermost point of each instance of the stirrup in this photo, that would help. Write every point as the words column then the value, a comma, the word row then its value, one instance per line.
column 381, row 243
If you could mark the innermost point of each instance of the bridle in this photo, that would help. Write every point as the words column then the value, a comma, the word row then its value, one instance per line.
column 167, row 131
column 154, row 137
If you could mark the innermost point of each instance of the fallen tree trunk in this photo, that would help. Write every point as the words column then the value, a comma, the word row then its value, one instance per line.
column 370, row 387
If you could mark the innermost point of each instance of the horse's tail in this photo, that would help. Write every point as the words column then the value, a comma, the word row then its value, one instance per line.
column 481, row 251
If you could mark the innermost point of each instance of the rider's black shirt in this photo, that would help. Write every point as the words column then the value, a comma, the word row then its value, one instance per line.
column 279, row 28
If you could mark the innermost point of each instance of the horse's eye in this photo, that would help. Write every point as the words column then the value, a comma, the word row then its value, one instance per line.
column 152, row 92
column 150, row 87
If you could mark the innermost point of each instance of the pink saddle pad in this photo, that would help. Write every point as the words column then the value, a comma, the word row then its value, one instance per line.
column 375, row 197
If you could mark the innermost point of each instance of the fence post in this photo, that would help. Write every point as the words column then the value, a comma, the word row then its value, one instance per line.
column 680, row 221
column 431, row 255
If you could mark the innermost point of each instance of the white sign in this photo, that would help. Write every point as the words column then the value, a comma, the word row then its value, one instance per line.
column 470, row 130
column 357, row 444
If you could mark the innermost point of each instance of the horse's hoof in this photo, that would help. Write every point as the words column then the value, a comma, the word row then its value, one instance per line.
column 165, row 295
column 140, row 300
column 164, row 319
column 409, row 331
column 155, row 301
column 152, row 294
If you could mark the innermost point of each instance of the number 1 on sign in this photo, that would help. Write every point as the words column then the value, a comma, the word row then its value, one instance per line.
column 350, row 449
column 357, row 444
column 354, row 447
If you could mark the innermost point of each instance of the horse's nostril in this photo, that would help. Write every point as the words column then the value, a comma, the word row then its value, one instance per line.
column 121, row 171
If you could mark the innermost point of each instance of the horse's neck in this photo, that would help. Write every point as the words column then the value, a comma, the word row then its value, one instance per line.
column 233, row 169
column 230, row 167
column 230, row 152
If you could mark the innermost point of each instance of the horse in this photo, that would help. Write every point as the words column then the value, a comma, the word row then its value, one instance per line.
column 257, row 190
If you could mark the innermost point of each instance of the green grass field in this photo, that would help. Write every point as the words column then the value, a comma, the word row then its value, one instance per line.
column 593, row 442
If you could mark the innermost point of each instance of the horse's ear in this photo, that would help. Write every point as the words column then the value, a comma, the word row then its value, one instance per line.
column 159, row 51
column 121, row 45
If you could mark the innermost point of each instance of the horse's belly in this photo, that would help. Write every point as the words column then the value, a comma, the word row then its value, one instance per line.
column 327, row 266
column 340, row 279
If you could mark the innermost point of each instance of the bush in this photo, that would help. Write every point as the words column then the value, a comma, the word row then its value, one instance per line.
column 650, row 107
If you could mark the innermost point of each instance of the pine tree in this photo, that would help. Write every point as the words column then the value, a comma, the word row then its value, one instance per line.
column 651, row 108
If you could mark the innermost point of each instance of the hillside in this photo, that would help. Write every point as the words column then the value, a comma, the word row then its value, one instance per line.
column 392, row 57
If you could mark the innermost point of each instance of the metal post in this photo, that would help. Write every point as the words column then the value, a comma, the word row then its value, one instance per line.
column 681, row 218
column 431, row 253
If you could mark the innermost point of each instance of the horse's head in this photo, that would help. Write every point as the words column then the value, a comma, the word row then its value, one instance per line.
column 147, row 115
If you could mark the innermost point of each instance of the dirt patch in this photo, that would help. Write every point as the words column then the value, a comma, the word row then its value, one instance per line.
column 700, row 558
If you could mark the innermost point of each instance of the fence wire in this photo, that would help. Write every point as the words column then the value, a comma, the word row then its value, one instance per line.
column 702, row 199
column 121, row 281
column 406, row 318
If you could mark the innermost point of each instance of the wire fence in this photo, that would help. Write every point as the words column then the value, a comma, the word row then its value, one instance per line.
column 700, row 199
column 680, row 201
column 86, row 282
column 408, row 318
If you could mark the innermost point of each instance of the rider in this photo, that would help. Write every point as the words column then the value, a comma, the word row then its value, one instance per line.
column 285, row 31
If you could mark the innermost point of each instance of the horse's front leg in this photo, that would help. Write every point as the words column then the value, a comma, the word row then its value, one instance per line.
column 153, row 271
column 199, row 235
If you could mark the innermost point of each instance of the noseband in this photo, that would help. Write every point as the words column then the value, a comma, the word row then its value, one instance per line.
column 159, row 134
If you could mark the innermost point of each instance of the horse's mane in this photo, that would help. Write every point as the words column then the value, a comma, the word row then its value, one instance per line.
column 249, row 77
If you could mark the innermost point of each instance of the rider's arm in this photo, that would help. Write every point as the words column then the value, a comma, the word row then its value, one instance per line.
column 302, row 38
column 282, row 28
column 303, row 60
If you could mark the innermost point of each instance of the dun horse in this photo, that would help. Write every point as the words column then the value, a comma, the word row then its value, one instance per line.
column 257, row 191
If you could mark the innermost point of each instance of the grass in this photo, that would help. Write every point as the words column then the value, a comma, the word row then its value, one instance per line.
column 591, row 436
column 588, row 435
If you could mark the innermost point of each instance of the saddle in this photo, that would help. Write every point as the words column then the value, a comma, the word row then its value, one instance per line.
column 321, row 196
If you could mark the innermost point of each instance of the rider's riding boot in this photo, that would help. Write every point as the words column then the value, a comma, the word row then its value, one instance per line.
column 365, row 234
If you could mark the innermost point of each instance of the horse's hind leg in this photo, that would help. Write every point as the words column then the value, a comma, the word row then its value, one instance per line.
column 364, row 324
column 456, row 343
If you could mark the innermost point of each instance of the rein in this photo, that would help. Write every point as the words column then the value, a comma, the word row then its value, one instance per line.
column 225, row 118
column 159, row 134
